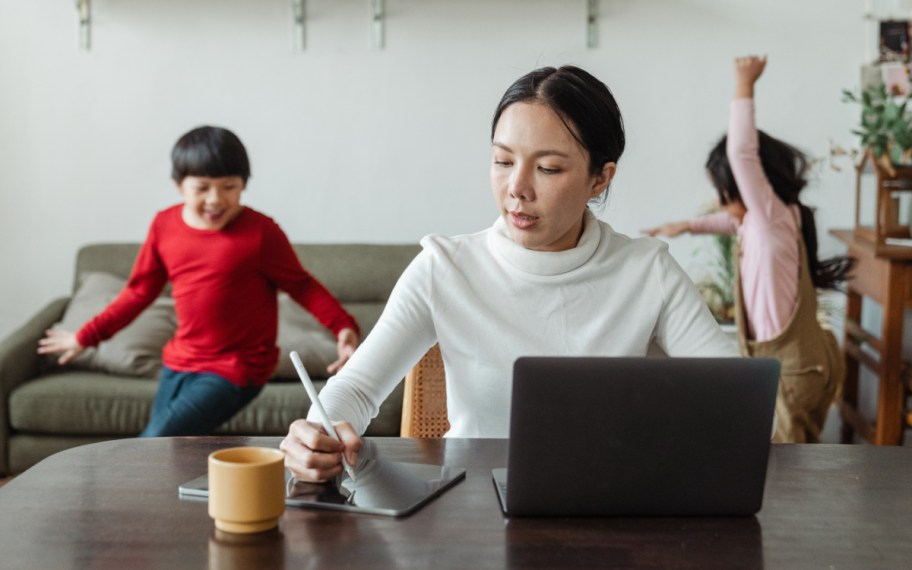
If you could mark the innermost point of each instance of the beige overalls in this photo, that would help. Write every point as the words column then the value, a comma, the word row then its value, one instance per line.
column 812, row 364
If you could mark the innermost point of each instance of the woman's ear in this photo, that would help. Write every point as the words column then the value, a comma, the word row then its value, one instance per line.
column 601, row 180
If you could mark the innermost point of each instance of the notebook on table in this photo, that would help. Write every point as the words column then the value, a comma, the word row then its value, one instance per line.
column 592, row 436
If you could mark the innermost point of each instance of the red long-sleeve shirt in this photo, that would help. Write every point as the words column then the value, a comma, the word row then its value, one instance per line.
column 224, row 284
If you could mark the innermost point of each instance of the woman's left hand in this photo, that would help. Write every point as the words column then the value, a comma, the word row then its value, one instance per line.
column 346, row 343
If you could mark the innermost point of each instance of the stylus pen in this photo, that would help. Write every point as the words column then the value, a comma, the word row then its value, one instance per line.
column 315, row 402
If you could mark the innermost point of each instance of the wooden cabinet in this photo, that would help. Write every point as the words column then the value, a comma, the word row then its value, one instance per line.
column 884, row 274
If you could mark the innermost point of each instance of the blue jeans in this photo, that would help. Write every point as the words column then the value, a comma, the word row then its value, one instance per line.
column 191, row 403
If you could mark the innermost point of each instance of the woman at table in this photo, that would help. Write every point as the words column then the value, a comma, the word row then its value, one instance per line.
column 547, row 278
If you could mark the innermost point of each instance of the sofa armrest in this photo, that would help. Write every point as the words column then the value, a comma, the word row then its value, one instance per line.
column 19, row 362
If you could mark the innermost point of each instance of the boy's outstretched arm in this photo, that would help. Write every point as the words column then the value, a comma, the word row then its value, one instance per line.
column 747, row 71
column 64, row 343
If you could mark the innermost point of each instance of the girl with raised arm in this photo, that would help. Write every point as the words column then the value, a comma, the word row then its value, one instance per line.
column 758, row 179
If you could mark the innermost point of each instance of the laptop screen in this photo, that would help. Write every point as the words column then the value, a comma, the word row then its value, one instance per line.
column 640, row 436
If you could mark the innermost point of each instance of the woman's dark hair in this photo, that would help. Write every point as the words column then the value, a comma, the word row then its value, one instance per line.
column 584, row 104
column 785, row 167
column 209, row 151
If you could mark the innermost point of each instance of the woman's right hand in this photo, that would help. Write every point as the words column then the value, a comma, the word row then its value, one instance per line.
column 671, row 229
column 313, row 456
column 64, row 343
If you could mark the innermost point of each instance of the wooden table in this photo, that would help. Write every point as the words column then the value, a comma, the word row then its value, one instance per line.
column 115, row 505
column 884, row 275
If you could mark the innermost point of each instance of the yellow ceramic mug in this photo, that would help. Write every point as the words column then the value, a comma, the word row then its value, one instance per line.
column 246, row 488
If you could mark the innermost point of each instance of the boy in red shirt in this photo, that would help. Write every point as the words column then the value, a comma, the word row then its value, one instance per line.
column 225, row 263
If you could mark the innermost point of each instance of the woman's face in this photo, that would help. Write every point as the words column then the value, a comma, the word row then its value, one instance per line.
column 540, row 178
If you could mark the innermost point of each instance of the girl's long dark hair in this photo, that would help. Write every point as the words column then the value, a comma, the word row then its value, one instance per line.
column 785, row 167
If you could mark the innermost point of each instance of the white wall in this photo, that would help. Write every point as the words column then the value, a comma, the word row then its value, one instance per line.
column 349, row 144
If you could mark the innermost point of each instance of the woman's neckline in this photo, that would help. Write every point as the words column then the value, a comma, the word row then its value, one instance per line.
column 546, row 263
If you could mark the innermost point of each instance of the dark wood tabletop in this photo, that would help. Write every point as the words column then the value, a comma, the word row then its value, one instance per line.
column 116, row 505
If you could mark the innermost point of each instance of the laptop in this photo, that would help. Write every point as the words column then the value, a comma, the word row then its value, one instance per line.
column 652, row 436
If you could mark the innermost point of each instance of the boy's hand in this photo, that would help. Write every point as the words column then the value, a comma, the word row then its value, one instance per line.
column 747, row 71
column 60, row 342
column 346, row 343
column 671, row 229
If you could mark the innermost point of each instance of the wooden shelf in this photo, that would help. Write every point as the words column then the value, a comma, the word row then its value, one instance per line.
column 299, row 17
column 883, row 183
column 884, row 274
column 860, row 237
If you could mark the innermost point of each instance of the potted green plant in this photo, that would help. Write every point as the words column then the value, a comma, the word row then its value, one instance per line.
column 717, row 286
column 886, row 135
column 886, row 126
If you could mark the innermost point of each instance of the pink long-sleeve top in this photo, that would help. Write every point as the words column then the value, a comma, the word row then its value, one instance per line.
column 768, row 234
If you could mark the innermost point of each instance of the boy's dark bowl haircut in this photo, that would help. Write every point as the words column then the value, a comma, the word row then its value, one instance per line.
column 208, row 151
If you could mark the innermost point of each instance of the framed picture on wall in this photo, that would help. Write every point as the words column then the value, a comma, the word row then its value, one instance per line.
column 894, row 40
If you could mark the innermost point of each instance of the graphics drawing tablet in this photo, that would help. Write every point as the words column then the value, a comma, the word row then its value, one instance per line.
column 381, row 487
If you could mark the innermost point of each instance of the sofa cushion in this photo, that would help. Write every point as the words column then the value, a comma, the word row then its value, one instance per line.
column 282, row 402
column 82, row 403
column 300, row 331
column 135, row 350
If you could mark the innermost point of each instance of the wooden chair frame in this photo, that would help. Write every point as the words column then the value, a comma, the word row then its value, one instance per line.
column 424, row 406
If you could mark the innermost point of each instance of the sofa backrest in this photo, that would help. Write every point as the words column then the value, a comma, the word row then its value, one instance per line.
column 361, row 276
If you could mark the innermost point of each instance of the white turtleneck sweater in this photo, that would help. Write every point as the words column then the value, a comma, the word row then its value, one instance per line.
column 488, row 301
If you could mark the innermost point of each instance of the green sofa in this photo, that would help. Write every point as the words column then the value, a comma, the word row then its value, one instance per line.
column 47, row 408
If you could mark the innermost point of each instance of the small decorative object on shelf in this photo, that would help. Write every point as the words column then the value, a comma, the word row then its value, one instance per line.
column 886, row 190
column 883, row 189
